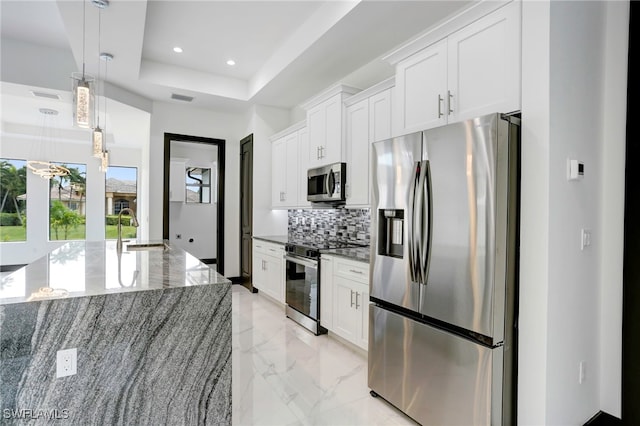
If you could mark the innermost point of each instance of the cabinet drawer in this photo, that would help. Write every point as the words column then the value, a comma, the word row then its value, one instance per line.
column 357, row 271
column 271, row 249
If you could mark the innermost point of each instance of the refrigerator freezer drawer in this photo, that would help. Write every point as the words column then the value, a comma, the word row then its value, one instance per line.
column 435, row 377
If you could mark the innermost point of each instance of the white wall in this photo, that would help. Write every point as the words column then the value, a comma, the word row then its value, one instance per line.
column 566, row 78
column 612, row 153
column 37, row 243
column 185, row 120
column 195, row 222
column 264, row 122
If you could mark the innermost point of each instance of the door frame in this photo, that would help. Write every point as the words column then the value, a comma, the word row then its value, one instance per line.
column 246, row 281
column 220, row 144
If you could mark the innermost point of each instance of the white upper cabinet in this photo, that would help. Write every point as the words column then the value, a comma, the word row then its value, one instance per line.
column 467, row 73
column 177, row 183
column 484, row 65
column 303, row 165
column 324, row 124
column 367, row 120
column 357, row 183
column 380, row 115
column 421, row 87
column 286, row 175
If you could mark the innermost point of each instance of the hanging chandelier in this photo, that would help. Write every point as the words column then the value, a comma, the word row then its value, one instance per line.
column 82, row 89
column 46, row 169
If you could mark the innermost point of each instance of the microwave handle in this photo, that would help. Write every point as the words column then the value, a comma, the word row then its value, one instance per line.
column 331, row 183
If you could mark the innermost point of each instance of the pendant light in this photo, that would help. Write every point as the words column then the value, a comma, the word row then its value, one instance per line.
column 98, row 134
column 82, row 88
column 104, row 163
column 46, row 169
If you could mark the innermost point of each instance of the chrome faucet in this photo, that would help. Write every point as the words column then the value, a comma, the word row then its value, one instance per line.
column 134, row 223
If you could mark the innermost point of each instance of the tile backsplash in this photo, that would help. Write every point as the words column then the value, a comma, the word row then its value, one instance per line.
column 345, row 225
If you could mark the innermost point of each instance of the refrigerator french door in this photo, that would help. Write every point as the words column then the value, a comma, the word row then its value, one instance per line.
column 443, row 271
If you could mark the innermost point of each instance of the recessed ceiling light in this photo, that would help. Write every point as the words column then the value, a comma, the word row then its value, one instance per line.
column 177, row 49
column 231, row 62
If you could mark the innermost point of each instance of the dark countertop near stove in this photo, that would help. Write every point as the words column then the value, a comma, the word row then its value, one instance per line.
column 278, row 239
column 355, row 253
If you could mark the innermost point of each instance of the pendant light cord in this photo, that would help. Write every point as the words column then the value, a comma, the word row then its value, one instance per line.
column 84, row 18
column 99, row 64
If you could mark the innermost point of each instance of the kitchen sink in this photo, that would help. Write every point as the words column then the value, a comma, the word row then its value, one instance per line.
column 147, row 246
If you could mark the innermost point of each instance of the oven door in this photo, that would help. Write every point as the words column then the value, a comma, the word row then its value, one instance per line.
column 302, row 286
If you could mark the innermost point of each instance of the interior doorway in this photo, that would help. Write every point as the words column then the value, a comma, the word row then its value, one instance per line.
column 246, row 212
column 194, row 185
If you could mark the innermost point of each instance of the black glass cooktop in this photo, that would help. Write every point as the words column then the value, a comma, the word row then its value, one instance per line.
column 313, row 248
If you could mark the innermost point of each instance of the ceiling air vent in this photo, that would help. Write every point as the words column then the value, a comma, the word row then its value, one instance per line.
column 45, row 95
column 181, row 97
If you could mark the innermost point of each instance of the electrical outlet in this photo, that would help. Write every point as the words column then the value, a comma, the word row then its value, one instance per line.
column 582, row 372
column 585, row 238
column 66, row 362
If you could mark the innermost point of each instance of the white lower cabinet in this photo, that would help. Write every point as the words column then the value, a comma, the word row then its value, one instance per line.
column 268, row 269
column 349, row 288
column 326, row 292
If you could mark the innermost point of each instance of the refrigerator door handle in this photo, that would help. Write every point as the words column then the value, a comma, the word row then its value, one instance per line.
column 413, row 234
column 426, row 207
column 421, row 228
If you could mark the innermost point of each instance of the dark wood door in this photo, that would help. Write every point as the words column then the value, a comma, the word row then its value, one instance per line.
column 246, row 210
column 631, row 274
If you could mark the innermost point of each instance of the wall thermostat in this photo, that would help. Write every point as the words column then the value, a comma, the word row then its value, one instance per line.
column 576, row 170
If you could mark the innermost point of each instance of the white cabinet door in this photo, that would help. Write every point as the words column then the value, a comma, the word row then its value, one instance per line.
column 380, row 116
column 177, row 186
column 326, row 292
column 303, row 166
column 317, row 126
column 268, row 269
column 332, row 148
column 285, row 173
column 484, row 65
column 324, row 123
column 362, row 339
column 278, row 172
column 291, row 170
column 345, row 315
column 421, row 88
column 357, row 149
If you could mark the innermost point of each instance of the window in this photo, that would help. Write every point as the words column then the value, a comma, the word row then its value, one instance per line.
column 67, row 204
column 198, row 183
column 13, row 200
column 121, row 192
column 119, row 205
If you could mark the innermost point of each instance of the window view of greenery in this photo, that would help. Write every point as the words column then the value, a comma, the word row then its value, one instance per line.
column 13, row 200
column 67, row 204
column 121, row 192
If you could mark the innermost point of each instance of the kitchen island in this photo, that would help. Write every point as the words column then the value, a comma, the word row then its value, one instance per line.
column 151, row 326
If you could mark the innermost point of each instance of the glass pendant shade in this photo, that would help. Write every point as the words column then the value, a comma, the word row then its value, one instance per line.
column 83, row 94
column 98, row 145
column 104, row 163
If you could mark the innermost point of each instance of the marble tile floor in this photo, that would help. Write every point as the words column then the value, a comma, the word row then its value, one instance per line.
column 284, row 375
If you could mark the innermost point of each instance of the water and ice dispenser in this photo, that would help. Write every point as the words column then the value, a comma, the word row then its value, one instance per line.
column 391, row 232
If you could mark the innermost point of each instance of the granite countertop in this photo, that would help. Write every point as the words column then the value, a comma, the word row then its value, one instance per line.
column 278, row 239
column 84, row 268
column 361, row 254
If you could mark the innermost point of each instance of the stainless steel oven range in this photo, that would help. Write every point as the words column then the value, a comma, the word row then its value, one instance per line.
column 302, row 275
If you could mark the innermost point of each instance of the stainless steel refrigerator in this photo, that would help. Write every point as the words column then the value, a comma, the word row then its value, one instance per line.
column 443, row 286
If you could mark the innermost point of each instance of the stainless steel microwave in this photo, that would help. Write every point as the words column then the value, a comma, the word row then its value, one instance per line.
column 326, row 183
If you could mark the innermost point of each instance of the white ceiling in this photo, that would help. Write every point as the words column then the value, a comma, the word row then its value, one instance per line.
column 285, row 51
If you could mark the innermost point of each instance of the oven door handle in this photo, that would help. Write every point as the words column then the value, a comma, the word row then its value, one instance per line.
column 301, row 261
